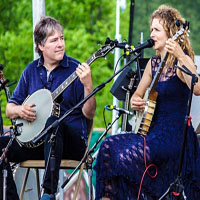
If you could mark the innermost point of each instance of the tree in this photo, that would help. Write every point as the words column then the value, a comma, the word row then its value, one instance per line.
column 86, row 24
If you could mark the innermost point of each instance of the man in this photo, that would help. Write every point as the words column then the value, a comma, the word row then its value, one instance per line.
column 49, row 71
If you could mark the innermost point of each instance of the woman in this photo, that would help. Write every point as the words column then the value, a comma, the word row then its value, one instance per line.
column 123, row 159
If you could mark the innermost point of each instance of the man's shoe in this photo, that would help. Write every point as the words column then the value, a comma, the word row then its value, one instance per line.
column 45, row 196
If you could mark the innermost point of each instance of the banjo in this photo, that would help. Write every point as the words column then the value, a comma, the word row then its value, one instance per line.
column 144, row 117
column 46, row 105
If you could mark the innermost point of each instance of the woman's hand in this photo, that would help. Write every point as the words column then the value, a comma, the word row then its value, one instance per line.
column 137, row 103
column 174, row 48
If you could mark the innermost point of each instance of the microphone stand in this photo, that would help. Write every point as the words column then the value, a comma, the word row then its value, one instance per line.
column 176, row 189
column 3, row 158
column 14, row 133
column 52, row 159
column 88, row 159
column 1, row 119
column 1, row 123
column 98, row 88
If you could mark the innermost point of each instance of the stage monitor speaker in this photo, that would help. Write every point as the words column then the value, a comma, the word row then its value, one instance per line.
column 123, row 80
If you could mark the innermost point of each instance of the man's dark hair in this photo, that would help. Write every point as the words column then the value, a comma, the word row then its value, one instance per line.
column 43, row 29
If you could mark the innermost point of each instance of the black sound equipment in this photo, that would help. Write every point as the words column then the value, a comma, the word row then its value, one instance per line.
column 121, row 82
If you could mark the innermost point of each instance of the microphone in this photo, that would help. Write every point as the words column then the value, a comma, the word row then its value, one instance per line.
column 148, row 44
column 121, row 45
column 130, row 48
column 120, row 110
column 125, row 45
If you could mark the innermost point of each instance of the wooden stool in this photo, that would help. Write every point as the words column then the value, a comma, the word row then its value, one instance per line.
column 65, row 164
column 40, row 164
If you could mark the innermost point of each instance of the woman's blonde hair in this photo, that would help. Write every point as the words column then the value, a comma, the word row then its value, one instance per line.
column 169, row 16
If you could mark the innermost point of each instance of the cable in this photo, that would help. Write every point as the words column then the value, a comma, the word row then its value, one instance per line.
column 117, row 63
column 146, row 169
column 104, row 118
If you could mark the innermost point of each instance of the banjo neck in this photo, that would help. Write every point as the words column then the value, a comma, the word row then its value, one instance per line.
column 70, row 79
column 102, row 52
column 158, row 73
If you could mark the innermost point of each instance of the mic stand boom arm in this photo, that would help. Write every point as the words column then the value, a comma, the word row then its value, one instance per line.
column 98, row 88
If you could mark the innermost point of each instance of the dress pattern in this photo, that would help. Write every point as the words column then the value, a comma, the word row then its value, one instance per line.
column 120, row 162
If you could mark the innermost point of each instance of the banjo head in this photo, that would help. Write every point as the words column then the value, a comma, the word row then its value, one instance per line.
column 44, row 105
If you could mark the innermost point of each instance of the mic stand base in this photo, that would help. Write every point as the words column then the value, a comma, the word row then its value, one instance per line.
column 175, row 191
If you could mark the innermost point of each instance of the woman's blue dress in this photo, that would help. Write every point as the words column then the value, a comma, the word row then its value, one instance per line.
column 120, row 162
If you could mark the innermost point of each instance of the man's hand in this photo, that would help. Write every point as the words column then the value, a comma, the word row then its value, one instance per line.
column 27, row 112
column 84, row 73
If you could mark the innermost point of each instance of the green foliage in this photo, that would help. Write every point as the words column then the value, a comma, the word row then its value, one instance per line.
column 87, row 26
column 15, row 42
column 188, row 9
column 87, row 23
